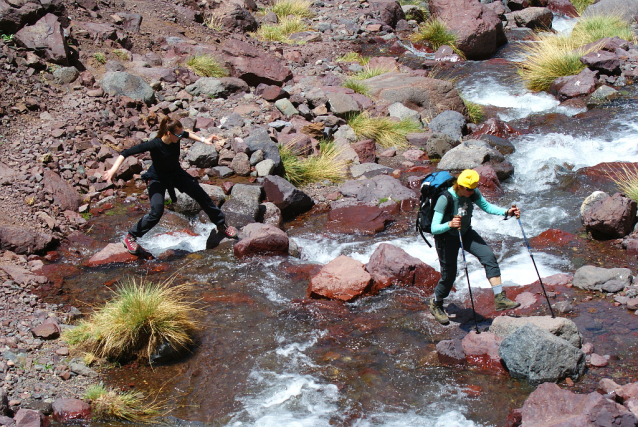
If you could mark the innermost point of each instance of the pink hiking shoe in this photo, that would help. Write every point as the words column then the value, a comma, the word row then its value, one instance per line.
column 131, row 245
column 229, row 231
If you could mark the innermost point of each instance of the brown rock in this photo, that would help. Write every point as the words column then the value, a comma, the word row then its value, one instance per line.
column 496, row 127
column 262, row 239
column 30, row 418
column 112, row 253
column 365, row 150
column 46, row 38
column 611, row 217
column 47, row 331
column 603, row 61
column 450, row 352
column 270, row 92
column 342, row 278
column 65, row 410
column 254, row 66
column 21, row 275
column 357, row 219
column 581, row 84
column 390, row 265
column 64, row 195
column 489, row 183
column 482, row 350
column 389, row 11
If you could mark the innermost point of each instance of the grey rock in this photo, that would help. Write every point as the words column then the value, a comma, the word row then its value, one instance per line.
column 438, row 144
column 265, row 167
column 605, row 93
column 539, row 356
column 627, row 10
column 342, row 105
column 563, row 328
column 401, row 112
column 241, row 164
column 613, row 286
column 377, row 188
column 451, row 123
column 217, row 88
column 243, row 206
column 81, row 369
column 223, row 171
column 247, row 194
column 288, row 198
column 231, row 121
column 271, row 214
column 188, row 206
column 468, row 155
column 594, row 278
column 285, row 106
column 257, row 157
column 260, row 140
column 114, row 66
column 125, row 84
column 534, row 18
column 346, row 132
column 502, row 145
column 202, row 155
column 66, row 75
column 369, row 170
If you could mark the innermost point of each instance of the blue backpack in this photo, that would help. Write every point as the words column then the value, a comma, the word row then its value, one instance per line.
column 432, row 187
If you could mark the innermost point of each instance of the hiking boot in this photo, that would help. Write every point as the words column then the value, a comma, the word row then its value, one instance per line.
column 229, row 231
column 501, row 302
column 131, row 245
column 436, row 308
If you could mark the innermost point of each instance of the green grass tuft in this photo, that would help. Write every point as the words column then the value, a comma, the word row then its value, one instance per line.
column 369, row 72
column 385, row 131
column 280, row 32
column 298, row 8
column 357, row 86
column 474, row 111
column 581, row 5
column 436, row 33
column 99, row 57
column 206, row 66
column 596, row 27
column 107, row 404
column 353, row 57
column 328, row 165
column 140, row 317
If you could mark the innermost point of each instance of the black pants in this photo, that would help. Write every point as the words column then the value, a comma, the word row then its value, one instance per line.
column 184, row 183
column 447, row 247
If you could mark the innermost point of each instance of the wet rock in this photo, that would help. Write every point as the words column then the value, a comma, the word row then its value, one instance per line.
column 438, row 144
column 590, row 201
column 46, row 38
column 478, row 28
column 390, row 265
column 594, row 278
column 343, row 278
column 451, row 123
column 537, row 355
column 30, row 418
column 124, row 84
column 288, row 198
column 260, row 140
column 496, row 127
column 429, row 97
column 482, row 350
column 468, row 155
column 534, row 18
column 65, row 410
column 262, row 239
column 563, row 328
column 598, row 361
column 551, row 405
column 271, row 214
column 217, row 88
column 202, row 155
column 357, row 219
column 254, row 66
column 112, row 253
column 552, row 238
column 489, row 183
column 377, row 188
column 502, row 145
column 450, row 352
column 564, row 7
column 24, row 240
column 369, row 170
column 603, row 61
column 365, row 150
column 611, row 217
column 389, row 11
column 581, row 84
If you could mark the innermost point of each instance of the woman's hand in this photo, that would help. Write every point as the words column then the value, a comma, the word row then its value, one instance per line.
column 514, row 211
column 455, row 223
column 210, row 139
column 108, row 175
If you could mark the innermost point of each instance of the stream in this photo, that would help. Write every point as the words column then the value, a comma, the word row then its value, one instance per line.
column 268, row 357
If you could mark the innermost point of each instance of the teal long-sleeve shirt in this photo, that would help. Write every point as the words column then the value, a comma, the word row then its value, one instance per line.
column 464, row 204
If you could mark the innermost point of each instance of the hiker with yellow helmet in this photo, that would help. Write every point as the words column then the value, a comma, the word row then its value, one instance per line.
column 453, row 213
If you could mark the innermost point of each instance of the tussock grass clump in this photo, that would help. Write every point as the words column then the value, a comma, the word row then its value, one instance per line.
column 354, row 57
column 206, row 66
column 107, row 404
column 99, row 57
column 435, row 32
column 385, row 131
column 593, row 28
column 474, row 110
column 581, row 5
column 327, row 165
column 137, row 321
column 626, row 179
column 369, row 72
column 280, row 32
column 215, row 22
column 357, row 86
column 298, row 8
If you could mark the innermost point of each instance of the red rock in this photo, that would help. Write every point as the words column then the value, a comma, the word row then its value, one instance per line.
column 112, row 253
column 422, row 170
column 342, row 278
column 46, row 37
column 473, row 390
column 263, row 239
column 629, row 391
column 496, row 127
column 552, row 238
column 482, row 350
column 365, row 150
column 584, row 83
column 514, row 418
column 253, row 65
column 24, row 240
column 71, row 409
column 30, row 418
column 408, row 205
column 21, row 275
column 598, row 361
column 564, row 7
column 489, row 183
column 47, row 331
column 450, row 352
column 357, row 219
column 390, row 265
column 227, row 186
column 611, row 217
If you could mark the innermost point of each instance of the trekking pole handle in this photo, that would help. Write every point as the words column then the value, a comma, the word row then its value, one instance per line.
column 507, row 216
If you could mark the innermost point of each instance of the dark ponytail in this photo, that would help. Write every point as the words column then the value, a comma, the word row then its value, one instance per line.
column 166, row 126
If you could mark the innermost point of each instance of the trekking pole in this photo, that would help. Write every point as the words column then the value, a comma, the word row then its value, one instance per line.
column 534, row 262
column 467, row 276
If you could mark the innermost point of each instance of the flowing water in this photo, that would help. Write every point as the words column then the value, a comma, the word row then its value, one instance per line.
column 267, row 357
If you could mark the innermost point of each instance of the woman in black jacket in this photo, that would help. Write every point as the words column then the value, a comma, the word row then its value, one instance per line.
column 166, row 174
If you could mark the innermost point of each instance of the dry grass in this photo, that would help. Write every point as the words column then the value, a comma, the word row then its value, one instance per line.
column 298, row 8
column 206, row 66
column 357, row 86
column 436, row 33
column 626, row 179
column 385, row 131
column 581, row 5
column 354, row 57
column 107, row 404
column 215, row 22
column 594, row 28
column 328, row 165
column 369, row 72
column 141, row 316
column 280, row 32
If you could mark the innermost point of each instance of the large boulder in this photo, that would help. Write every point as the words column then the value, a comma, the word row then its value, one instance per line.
column 429, row 97
column 64, row 195
column 288, row 198
column 233, row 17
column 478, row 28
column 357, row 219
column 112, row 253
column 343, row 278
column 262, row 239
column 468, row 155
column 202, row 155
column 253, row 65
column 537, row 355
column 593, row 278
column 120, row 83
column 30, row 418
column 451, row 123
column 625, row 9
column 603, row 61
column 563, row 328
column 390, row 265
column 440, row 143
column 46, row 38
column 15, row 15
column 243, row 206
column 217, row 88
column 186, row 205
column 611, row 217
column 389, row 11
column 377, row 188
column 24, row 240
column 549, row 405
column 534, row 18
column 590, row 201
column 581, row 84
